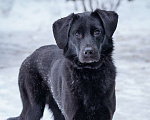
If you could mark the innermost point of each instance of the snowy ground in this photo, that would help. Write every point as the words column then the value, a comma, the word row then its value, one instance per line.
column 28, row 26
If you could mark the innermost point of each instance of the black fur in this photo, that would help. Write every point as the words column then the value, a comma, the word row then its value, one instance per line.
column 76, row 80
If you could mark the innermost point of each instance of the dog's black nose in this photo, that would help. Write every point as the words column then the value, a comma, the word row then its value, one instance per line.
column 89, row 54
column 88, row 51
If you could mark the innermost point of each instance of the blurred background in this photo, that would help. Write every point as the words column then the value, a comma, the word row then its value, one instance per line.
column 26, row 25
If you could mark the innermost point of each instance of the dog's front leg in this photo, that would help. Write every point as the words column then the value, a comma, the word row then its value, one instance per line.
column 103, row 113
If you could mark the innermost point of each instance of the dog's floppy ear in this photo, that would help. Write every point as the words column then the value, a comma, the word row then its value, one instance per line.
column 109, row 19
column 61, row 30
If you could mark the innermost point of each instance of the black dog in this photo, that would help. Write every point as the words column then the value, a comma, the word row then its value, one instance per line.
column 77, row 78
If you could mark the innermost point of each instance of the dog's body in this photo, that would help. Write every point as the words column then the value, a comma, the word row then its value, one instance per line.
column 77, row 78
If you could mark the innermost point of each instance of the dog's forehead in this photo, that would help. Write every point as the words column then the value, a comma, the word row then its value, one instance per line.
column 87, row 18
column 84, row 14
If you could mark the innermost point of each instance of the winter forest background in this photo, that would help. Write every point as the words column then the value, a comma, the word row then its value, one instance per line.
column 26, row 25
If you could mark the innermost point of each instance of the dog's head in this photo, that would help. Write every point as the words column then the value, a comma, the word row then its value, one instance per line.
column 86, row 37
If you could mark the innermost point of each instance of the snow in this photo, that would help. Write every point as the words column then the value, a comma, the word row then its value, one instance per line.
column 28, row 25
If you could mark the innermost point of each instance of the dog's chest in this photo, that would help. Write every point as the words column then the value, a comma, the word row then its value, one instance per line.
column 89, row 86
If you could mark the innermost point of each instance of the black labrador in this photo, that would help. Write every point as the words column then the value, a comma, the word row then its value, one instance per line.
column 76, row 78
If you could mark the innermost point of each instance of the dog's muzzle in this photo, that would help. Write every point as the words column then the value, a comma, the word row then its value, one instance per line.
column 89, row 55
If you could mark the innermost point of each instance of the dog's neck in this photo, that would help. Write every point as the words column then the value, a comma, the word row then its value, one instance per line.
column 88, row 84
column 89, row 81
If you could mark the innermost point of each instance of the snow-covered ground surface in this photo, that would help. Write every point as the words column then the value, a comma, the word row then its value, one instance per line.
column 28, row 26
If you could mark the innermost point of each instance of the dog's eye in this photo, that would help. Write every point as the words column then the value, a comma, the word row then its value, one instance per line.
column 78, row 34
column 97, row 32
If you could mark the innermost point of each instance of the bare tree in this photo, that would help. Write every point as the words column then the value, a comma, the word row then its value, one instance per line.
column 102, row 4
column 109, row 4
column 90, row 2
column 83, row 3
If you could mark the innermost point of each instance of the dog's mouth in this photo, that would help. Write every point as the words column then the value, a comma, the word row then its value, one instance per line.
column 88, row 65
